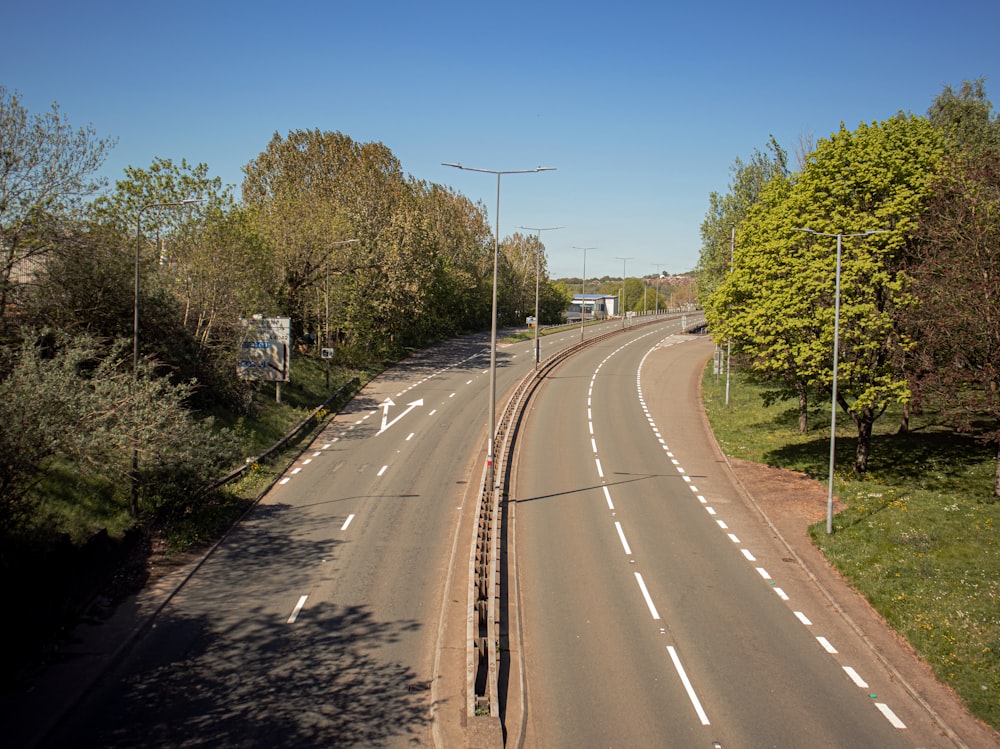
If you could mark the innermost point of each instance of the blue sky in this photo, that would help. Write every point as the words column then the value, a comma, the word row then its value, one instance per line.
column 641, row 106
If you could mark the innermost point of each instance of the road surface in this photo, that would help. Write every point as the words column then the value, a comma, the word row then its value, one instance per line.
column 655, row 607
column 322, row 618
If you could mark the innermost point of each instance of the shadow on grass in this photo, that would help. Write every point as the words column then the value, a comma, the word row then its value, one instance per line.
column 932, row 459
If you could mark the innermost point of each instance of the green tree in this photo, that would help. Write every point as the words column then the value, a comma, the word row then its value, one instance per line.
column 955, row 265
column 779, row 304
column 221, row 272
column 967, row 118
column 956, row 268
column 66, row 398
column 727, row 212
column 310, row 190
column 163, row 182
column 307, row 243
column 464, row 244
column 362, row 183
column 652, row 295
column 565, row 290
column 762, row 308
column 47, row 169
column 207, row 252
column 206, row 268
column 87, row 284
column 392, row 308
column 420, row 267
column 636, row 295
column 520, row 256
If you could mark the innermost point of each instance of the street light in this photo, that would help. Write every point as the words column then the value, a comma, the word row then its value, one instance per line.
column 138, row 242
column 729, row 340
column 538, row 356
column 622, row 303
column 836, row 353
column 135, row 331
column 656, row 299
column 327, row 292
column 493, row 314
column 583, row 288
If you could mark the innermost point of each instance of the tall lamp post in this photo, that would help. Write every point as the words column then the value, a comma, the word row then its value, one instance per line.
column 656, row 300
column 583, row 288
column 134, row 506
column 538, row 275
column 493, row 314
column 326, row 290
column 621, row 304
column 836, row 354
column 729, row 340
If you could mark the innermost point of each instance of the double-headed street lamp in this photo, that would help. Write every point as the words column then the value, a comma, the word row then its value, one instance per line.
column 583, row 288
column 493, row 315
column 135, row 330
column 539, row 231
column 836, row 354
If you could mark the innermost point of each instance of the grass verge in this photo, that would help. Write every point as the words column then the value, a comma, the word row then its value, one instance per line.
column 78, row 504
column 82, row 547
column 920, row 535
column 310, row 386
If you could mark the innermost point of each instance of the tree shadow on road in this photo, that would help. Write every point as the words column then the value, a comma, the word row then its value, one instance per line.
column 261, row 682
column 221, row 667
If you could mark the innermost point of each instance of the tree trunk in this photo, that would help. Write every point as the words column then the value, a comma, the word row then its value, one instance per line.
column 904, row 422
column 865, row 420
column 996, row 475
column 803, row 410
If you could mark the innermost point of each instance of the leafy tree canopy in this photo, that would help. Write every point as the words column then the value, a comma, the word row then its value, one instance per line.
column 727, row 212
column 47, row 169
column 778, row 303
column 966, row 116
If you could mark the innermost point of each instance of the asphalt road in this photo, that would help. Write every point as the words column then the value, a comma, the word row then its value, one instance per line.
column 322, row 618
column 655, row 608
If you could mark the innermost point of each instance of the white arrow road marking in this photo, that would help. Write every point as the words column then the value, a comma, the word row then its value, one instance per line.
column 387, row 403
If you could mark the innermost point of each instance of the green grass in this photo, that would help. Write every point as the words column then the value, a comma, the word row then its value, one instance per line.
column 79, row 503
column 306, row 391
column 271, row 421
column 920, row 535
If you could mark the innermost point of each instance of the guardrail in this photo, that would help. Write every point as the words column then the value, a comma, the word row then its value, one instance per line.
column 344, row 391
column 483, row 623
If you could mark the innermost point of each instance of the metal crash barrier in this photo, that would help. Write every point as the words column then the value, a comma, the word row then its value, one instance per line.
column 483, row 623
